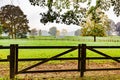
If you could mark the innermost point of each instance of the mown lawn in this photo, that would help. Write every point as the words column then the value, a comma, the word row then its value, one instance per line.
column 30, row 42
column 45, row 53
column 36, row 53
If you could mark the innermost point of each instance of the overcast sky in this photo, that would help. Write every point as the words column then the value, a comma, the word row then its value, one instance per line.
column 33, row 16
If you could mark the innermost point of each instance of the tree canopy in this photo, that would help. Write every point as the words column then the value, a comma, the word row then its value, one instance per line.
column 60, row 11
column 33, row 32
column 14, row 21
column 74, row 11
column 77, row 32
column 95, row 25
column 118, row 28
column 53, row 31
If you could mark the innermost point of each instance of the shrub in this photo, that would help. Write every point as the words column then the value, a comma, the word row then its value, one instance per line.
column 4, row 37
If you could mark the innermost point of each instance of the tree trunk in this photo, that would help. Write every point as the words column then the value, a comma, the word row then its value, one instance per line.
column 94, row 38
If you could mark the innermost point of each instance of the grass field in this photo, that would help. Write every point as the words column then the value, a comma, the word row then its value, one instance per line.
column 80, row 38
column 50, row 52
column 45, row 53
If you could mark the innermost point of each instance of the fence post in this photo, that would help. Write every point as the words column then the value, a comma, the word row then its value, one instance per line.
column 16, row 58
column 83, row 59
column 79, row 56
column 12, row 61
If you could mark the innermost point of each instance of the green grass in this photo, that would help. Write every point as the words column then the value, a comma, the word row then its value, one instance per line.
column 35, row 53
column 45, row 53
column 80, row 38
column 27, row 42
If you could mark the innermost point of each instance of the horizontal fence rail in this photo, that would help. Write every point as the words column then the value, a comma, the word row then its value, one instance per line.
column 53, row 47
column 4, row 47
column 75, row 58
column 81, row 58
column 103, row 47
column 45, row 47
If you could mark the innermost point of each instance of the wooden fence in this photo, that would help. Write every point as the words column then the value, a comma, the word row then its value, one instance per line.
column 13, row 58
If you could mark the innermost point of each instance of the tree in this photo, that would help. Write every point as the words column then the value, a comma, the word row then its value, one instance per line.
column 116, row 6
column 33, row 32
column 106, row 4
column 14, row 21
column 58, row 33
column 77, row 14
column 118, row 28
column 74, row 11
column 40, row 32
column 53, row 31
column 96, row 23
column 56, row 11
column 77, row 32
column 0, row 29
column 112, row 30
column 64, row 32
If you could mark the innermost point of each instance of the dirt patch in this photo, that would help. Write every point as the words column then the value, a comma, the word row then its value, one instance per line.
column 4, row 70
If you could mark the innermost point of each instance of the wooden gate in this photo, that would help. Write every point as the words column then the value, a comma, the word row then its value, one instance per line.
column 14, row 59
column 81, row 58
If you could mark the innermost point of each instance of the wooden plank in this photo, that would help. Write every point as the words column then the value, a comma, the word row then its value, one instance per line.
column 16, row 58
column 4, row 47
column 100, row 58
column 4, row 60
column 12, row 61
column 103, row 69
column 45, row 47
column 44, row 71
column 103, row 47
column 75, row 58
column 79, row 57
column 39, row 59
column 83, row 60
